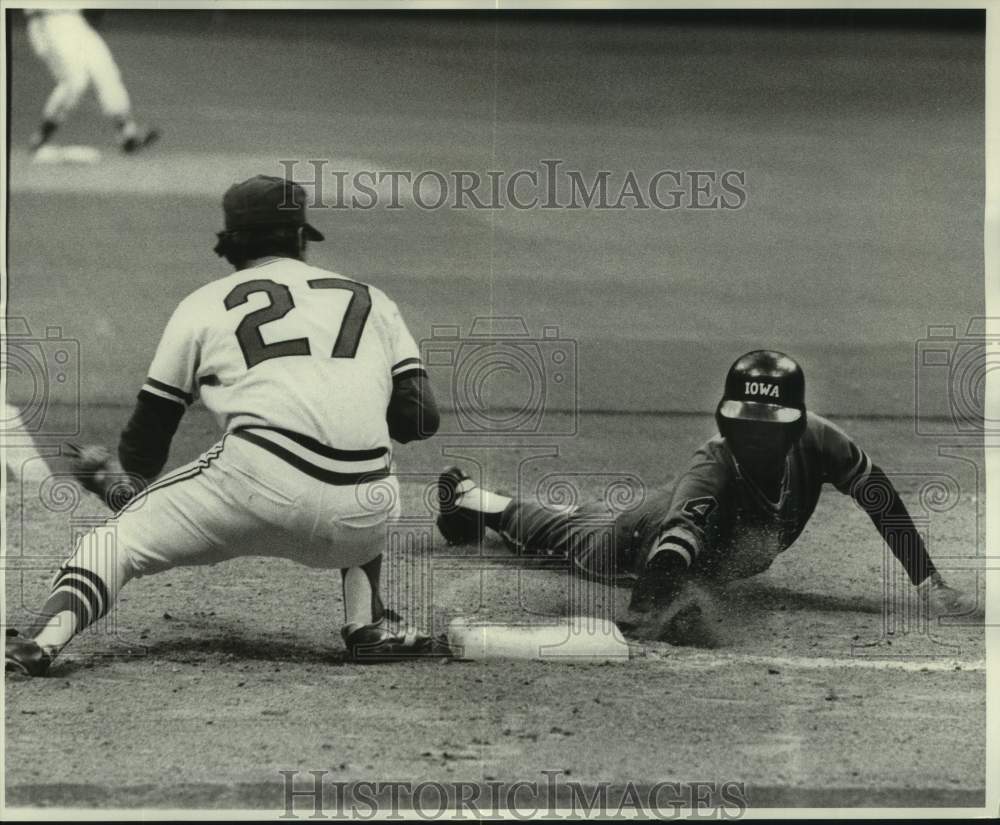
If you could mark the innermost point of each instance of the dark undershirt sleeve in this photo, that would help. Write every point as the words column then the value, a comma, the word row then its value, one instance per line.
column 412, row 414
column 877, row 496
column 145, row 442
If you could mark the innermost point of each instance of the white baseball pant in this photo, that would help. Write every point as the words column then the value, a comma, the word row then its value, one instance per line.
column 77, row 57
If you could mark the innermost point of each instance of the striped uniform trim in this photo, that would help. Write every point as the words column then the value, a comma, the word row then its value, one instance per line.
column 180, row 474
column 678, row 541
column 408, row 368
column 304, row 441
column 162, row 390
column 327, row 464
column 86, row 591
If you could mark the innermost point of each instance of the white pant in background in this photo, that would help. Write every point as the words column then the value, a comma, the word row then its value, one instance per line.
column 22, row 460
column 77, row 56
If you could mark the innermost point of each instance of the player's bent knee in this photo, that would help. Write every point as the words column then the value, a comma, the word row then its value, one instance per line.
column 114, row 100
column 71, row 89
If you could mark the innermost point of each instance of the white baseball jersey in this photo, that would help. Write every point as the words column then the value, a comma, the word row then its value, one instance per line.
column 293, row 358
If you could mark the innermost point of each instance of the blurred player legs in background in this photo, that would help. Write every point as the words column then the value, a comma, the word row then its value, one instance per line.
column 22, row 461
column 77, row 56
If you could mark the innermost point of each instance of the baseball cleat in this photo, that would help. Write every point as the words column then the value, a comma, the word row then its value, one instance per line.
column 458, row 525
column 376, row 644
column 25, row 656
column 136, row 142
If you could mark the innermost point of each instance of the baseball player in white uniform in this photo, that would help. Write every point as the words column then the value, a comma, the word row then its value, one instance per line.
column 311, row 375
column 77, row 57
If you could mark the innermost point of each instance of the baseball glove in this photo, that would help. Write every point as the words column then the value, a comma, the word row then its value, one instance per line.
column 97, row 472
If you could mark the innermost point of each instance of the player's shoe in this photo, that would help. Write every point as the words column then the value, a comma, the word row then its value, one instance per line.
column 376, row 644
column 135, row 143
column 25, row 656
column 458, row 525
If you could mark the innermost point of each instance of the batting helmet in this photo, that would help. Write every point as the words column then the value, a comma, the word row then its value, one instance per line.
column 764, row 386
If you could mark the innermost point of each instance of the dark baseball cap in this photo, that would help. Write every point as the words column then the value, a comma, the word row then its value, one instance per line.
column 264, row 200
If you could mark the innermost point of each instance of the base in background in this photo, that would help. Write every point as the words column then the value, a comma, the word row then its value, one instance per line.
column 66, row 154
column 574, row 640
